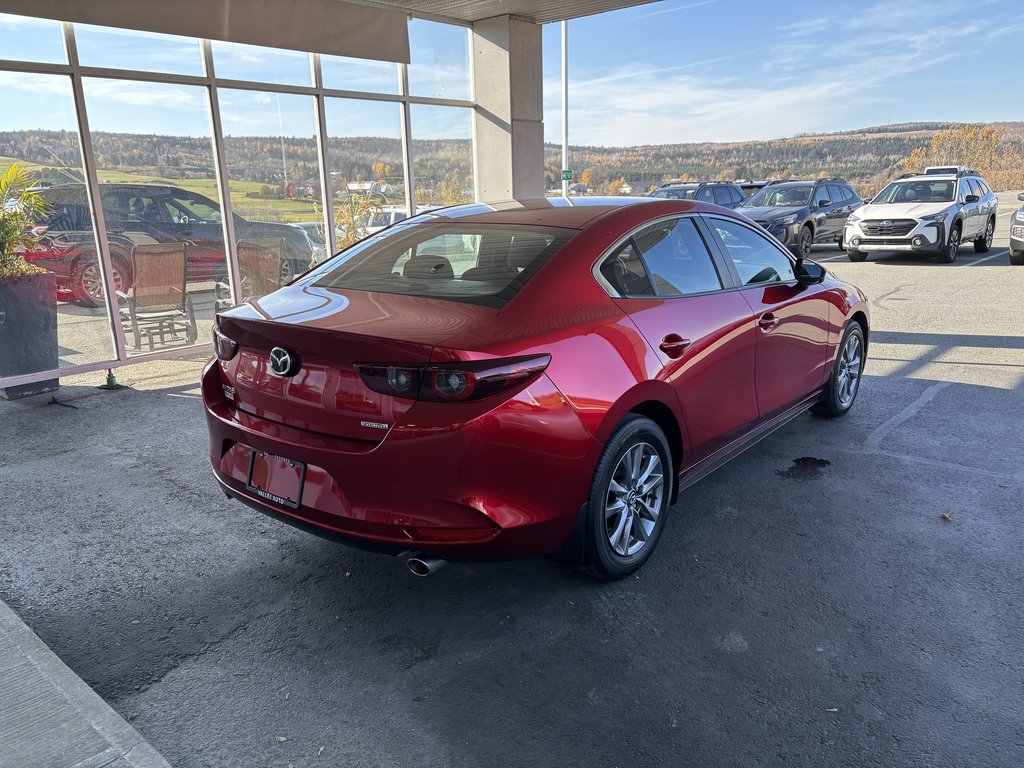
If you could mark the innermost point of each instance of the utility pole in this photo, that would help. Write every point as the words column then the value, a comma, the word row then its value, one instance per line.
column 565, row 108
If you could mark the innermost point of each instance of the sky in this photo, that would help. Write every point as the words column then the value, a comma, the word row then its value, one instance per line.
column 665, row 72
column 736, row 70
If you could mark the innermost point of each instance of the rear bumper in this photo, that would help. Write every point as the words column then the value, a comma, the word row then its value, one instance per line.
column 506, row 484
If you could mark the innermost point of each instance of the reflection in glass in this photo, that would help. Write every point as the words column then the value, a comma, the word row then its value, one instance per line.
column 129, row 49
column 160, row 201
column 234, row 61
column 274, row 171
column 442, row 153
column 345, row 74
column 439, row 64
column 39, row 133
column 25, row 39
column 364, row 157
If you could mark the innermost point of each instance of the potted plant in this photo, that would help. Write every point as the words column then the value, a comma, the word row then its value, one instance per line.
column 28, row 294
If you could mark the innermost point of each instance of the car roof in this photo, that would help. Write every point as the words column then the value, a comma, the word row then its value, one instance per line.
column 569, row 213
column 929, row 177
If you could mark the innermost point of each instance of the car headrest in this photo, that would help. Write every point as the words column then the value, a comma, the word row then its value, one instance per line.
column 427, row 266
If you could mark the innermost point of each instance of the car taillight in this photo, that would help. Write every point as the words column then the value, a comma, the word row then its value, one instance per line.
column 451, row 382
column 223, row 345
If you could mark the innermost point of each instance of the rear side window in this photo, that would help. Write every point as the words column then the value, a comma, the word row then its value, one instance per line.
column 625, row 272
column 477, row 264
column 705, row 194
column 757, row 260
column 677, row 259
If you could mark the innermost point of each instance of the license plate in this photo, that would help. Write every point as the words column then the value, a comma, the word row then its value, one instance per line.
column 276, row 478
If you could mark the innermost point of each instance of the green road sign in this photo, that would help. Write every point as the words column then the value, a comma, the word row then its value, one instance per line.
column 566, row 175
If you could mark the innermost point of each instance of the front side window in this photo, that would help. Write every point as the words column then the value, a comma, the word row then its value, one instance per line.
column 677, row 259
column 705, row 194
column 477, row 264
column 756, row 259
column 821, row 196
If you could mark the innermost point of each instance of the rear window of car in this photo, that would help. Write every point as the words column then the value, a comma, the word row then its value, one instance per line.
column 484, row 264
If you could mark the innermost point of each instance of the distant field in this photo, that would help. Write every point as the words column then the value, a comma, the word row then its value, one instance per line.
column 249, row 208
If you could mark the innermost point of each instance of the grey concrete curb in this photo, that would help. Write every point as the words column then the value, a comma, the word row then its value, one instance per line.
column 49, row 718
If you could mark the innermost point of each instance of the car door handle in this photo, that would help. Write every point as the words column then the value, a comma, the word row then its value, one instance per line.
column 767, row 322
column 674, row 345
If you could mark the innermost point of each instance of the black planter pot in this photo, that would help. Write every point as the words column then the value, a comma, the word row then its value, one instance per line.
column 28, row 332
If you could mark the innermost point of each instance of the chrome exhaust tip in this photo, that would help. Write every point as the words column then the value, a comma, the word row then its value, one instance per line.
column 424, row 565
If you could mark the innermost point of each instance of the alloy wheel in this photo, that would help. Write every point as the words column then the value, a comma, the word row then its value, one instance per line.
column 954, row 244
column 805, row 242
column 92, row 282
column 850, row 364
column 989, row 233
column 633, row 502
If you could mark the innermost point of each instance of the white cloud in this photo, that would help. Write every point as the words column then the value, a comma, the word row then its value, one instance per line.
column 816, row 73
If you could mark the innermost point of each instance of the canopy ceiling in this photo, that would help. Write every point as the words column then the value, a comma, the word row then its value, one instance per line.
column 540, row 11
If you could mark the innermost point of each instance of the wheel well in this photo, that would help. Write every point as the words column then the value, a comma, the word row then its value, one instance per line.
column 861, row 318
column 663, row 416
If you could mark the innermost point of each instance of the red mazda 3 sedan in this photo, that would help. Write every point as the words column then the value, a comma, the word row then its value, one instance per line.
column 532, row 377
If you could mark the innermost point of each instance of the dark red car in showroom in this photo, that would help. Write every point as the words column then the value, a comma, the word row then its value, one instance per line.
column 533, row 377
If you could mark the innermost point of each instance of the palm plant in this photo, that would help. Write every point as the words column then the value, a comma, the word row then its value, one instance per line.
column 21, row 206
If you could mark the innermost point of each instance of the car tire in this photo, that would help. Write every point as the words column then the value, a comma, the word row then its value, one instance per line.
column 1017, row 258
column 629, row 499
column 984, row 243
column 87, row 282
column 804, row 242
column 947, row 254
column 856, row 255
column 844, row 382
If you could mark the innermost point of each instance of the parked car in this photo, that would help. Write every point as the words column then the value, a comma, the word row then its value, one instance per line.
column 553, row 394
column 314, row 230
column 145, row 213
column 721, row 193
column 802, row 213
column 934, row 213
column 1017, row 235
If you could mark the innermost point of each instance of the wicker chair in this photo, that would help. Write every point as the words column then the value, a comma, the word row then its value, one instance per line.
column 260, row 265
column 159, row 305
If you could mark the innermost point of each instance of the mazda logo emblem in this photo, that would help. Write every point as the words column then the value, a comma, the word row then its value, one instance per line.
column 283, row 362
column 886, row 223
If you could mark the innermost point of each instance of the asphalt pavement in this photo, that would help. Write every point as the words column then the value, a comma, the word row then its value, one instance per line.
column 845, row 593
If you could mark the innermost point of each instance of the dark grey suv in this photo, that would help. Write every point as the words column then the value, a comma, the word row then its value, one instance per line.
column 721, row 193
column 802, row 213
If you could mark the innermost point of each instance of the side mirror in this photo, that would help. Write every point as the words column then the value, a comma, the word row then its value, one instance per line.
column 1020, row 196
column 971, row 199
column 823, row 203
column 809, row 272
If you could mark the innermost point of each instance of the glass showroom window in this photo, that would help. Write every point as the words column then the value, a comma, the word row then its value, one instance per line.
column 442, row 151
column 24, row 39
column 144, row 51
column 154, row 159
column 234, row 61
column 345, row 74
column 274, row 176
column 439, row 60
column 364, row 157
column 61, row 312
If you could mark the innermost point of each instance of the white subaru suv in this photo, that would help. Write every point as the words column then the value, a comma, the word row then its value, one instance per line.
column 933, row 212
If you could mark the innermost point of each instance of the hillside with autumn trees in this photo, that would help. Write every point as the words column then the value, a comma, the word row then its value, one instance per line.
column 868, row 157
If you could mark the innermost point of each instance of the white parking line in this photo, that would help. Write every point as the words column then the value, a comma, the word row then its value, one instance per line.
column 979, row 261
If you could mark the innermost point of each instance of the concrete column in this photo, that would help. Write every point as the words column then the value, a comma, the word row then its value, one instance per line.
column 508, row 121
